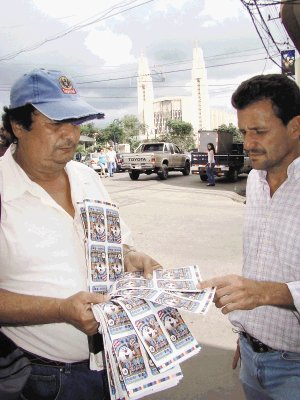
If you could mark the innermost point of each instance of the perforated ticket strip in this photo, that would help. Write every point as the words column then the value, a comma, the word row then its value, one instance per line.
column 168, row 287
column 131, row 372
column 103, row 241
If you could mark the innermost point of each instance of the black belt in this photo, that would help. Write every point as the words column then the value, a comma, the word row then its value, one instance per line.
column 257, row 345
column 35, row 359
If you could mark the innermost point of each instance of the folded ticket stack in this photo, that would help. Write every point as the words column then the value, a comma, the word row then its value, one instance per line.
column 145, row 337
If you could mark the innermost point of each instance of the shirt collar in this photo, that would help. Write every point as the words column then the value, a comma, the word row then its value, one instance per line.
column 80, row 182
column 262, row 175
column 15, row 180
column 294, row 169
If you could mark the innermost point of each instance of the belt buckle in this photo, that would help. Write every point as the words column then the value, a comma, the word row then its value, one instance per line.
column 259, row 347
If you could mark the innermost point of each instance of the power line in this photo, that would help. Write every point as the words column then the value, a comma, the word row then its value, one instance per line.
column 106, row 14
column 246, row 5
column 224, row 56
column 169, row 72
column 267, row 3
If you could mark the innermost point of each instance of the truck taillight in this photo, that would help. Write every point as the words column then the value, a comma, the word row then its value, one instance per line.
column 153, row 160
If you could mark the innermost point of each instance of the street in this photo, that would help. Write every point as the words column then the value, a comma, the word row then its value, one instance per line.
column 181, row 222
column 193, row 181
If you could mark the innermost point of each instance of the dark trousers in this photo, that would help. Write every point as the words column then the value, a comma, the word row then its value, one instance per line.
column 65, row 382
column 210, row 174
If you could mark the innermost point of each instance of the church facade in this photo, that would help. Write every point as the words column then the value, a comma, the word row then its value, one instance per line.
column 155, row 112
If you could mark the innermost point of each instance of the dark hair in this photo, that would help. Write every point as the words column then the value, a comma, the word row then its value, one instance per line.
column 212, row 147
column 281, row 90
column 5, row 138
column 21, row 115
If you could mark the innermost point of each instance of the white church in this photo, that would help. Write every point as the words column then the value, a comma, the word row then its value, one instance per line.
column 155, row 112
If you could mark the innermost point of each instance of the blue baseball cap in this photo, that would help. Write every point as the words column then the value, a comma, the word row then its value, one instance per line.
column 54, row 94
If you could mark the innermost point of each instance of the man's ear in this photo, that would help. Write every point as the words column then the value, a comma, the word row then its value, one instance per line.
column 294, row 127
column 17, row 129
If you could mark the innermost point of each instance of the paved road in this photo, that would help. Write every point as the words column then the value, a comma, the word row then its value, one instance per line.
column 182, row 222
column 193, row 181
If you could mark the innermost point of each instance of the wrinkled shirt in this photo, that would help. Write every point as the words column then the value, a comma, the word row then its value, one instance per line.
column 272, row 253
column 43, row 252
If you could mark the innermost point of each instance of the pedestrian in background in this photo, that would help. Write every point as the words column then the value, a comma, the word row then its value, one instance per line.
column 264, row 303
column 78, row 156
column 111, row 160
column 102, row 163
column 210, row 164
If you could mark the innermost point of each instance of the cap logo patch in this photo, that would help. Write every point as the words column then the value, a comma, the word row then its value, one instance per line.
column 66, row 85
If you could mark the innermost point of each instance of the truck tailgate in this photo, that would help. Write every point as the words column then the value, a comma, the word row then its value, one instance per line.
column 138, row 161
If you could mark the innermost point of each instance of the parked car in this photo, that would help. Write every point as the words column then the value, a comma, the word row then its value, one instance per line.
column 91, row 160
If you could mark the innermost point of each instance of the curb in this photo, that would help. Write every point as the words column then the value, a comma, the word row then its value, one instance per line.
column 224, row 193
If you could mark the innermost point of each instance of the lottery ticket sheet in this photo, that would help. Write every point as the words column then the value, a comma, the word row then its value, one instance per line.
column 102, row 227
column 175, row 287
column 145, row 337
column 142, row 348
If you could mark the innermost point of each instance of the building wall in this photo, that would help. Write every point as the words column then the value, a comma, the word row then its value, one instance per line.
column 220, row 117
column 145, row 97
column 155, row 113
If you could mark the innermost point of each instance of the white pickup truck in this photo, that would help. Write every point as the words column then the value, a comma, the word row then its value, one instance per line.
column 157, row 157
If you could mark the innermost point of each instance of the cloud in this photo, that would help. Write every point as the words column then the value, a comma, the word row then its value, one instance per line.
column 165, row 5
column 69, row 10
column 226, row 9
column 113, row 48
column 97, row 55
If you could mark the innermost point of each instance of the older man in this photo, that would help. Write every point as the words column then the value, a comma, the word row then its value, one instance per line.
column 264, row 304
column 45, row 307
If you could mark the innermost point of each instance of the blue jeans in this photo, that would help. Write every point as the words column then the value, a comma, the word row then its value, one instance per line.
column 269, row 376
column 111, row 168
column 71, row 382
column 210, row 174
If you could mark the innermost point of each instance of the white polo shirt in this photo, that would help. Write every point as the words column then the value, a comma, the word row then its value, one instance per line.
column 43, row 253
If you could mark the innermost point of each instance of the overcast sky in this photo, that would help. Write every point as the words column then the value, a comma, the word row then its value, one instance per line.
column 101, row 50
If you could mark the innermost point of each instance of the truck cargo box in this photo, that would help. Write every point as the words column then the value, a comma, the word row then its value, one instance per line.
column 221, row 140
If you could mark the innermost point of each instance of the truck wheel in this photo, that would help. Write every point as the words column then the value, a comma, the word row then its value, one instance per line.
column 233, row 175
column 203, row 177
column 187, row 169
column 134, row 175
column 163, row 174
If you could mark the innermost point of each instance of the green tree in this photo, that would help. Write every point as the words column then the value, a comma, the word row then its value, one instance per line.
column 179, row 133
column 124, row 130
column 237, row 136
column 113, row 132
column 81, row 149
column 132, row 128
column 92, row 131
column 89, row 130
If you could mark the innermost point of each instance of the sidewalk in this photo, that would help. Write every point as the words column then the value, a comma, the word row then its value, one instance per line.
column 185, row 226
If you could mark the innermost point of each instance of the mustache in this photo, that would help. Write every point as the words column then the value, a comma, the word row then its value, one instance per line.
column 66, row 144
column 250, row 152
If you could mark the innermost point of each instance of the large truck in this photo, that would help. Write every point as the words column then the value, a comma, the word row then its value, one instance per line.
column 156, row 157
column 230, row 158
